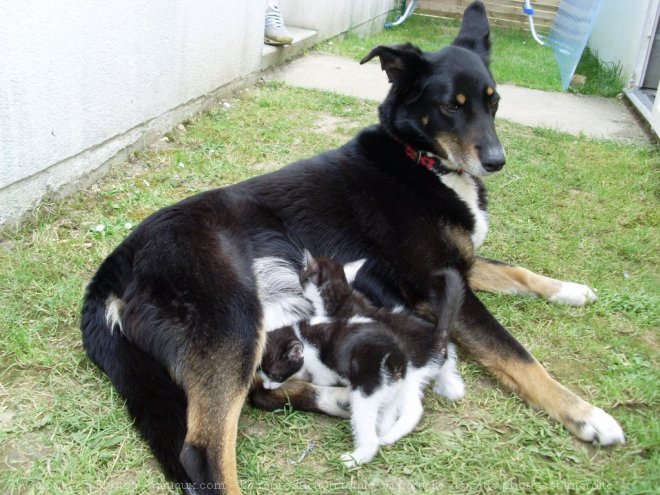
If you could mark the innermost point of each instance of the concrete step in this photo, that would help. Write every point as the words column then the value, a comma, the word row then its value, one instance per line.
column 274, row 55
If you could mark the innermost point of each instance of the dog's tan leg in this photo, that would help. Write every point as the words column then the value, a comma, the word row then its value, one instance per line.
column 495, row 276
column 539, row 389
column 302, row 396
column 209, row 451
column 216, row 386
column 491, row 345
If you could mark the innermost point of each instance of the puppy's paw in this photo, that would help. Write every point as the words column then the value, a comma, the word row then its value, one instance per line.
column 348, row 461
column 573, row 294
column 357, row 458
column 451, row 386
column 387, row 421
column 601, row 428
column 389, row 439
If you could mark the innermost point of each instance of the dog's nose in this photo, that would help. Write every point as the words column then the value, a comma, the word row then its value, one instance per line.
column 492, row 158
column 493, row 166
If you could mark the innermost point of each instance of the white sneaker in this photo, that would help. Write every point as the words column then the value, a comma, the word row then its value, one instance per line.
column 275, row 33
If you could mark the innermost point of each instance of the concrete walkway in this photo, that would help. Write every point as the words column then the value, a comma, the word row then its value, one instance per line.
column 594, row 116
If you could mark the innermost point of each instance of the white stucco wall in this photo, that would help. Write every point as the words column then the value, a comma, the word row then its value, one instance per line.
column 76, row 73
column 618, row 33
column 82, row 81
column 329, row 17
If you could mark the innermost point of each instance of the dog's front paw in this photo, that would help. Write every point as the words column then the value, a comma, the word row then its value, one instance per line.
column 334, row 401
column 573, row 294
column 599, row 427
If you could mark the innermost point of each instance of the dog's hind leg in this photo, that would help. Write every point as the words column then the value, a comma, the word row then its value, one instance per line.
column 302, row 396
column 209, row 450
column 479, row 333
column 496, row 276
column 217, row 380
column 202, row 319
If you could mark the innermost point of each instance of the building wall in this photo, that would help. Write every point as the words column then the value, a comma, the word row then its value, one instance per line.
column 83, row 82
column 618, row 34
column 330, row 17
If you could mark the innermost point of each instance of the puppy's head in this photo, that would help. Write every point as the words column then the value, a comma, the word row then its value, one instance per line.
column 325, row 283
column 283, row 357
column 322, row 272
column 446, row 101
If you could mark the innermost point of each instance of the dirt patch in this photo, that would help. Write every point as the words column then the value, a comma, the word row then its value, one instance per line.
column 6, row 245
column 650, row 339
column 120, row 480
column 440, row 421
column 162, row 144
column 258, row 429
column 266, row 166
column 6, row 416
column 24, row 452
column 331, row 125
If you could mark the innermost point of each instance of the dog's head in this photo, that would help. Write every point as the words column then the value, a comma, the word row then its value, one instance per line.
column 446, row 101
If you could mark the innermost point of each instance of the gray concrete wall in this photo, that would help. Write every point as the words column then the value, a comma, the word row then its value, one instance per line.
column 84, row 82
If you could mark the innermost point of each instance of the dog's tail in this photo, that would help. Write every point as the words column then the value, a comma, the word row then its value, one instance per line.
column 156, row 403
column 447, row 300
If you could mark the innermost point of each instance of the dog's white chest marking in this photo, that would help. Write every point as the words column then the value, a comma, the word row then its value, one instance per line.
column 466, row 188
column 280, row 293
column 283, row 299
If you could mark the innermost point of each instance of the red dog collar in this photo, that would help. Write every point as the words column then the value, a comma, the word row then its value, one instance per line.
column 426, row 159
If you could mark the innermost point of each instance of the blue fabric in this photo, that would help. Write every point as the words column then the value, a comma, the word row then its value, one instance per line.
column 569, row 34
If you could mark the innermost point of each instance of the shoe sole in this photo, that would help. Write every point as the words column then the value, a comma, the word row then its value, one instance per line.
column 270, row 41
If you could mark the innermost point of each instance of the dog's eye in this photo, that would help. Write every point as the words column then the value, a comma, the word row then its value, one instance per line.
column 449, row 109
column 494, row 104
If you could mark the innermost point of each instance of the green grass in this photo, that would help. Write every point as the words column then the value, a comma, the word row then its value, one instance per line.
column 568, row 206
column 516, row 58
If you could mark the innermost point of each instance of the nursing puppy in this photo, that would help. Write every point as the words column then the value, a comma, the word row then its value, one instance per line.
column 386, row 365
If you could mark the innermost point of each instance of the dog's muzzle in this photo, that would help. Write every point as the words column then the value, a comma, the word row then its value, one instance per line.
column 492, row 157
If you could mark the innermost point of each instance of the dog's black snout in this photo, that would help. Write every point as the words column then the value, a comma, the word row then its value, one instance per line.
column 494, row 166
column 492, row 158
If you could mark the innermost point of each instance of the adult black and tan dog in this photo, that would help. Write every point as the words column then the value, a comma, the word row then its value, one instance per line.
column 177, row 314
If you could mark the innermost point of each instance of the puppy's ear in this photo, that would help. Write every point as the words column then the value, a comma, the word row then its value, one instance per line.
column 295, row 350
column 311, row 269
column 309, row 263
column 403, row 64
column 475, row 31
column 351, row 269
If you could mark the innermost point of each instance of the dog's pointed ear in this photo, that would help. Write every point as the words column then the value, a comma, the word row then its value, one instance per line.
column 403, row 64
column 475, row 31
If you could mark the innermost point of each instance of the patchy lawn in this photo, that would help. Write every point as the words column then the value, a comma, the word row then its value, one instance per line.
column 571, row 207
